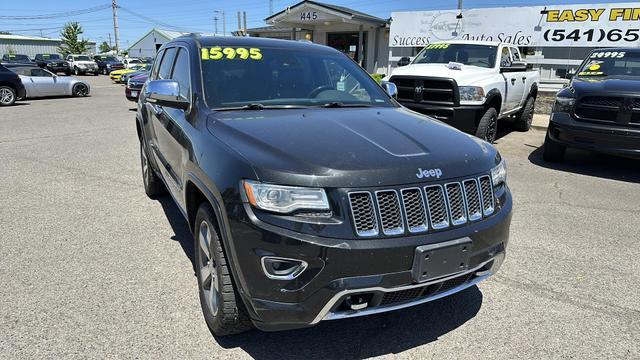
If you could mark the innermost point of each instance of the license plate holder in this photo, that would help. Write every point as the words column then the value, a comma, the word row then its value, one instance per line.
column 134, row 93
column 438, row 260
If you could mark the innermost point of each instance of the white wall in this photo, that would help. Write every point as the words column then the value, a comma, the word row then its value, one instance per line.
column 146, row 47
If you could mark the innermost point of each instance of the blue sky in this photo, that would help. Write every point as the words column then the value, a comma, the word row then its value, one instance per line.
column 197, row 15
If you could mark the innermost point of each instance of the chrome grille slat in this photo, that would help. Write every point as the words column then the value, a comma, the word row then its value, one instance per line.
column 486, row 192
column 414, row 210
column 438, row 211
column 391, row 220
column 472, row 196
column 457, row 206
column 364, row 215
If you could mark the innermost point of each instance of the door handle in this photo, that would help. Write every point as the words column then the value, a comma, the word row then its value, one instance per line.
column 513, row 81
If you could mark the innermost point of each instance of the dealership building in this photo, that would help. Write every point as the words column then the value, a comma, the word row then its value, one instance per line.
column 32, row 45
column 555, row 38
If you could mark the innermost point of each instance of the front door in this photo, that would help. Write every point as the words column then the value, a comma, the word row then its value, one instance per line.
column 347, row 43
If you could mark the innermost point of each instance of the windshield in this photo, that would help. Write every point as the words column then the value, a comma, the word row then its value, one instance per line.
column 285, row 77
column 51, row 56
column 81, row 58
column 611, row 63
column 138, row 67
column 466, row 54
column 18, row 57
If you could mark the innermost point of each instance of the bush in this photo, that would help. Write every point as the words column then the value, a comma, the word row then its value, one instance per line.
column 377, row 77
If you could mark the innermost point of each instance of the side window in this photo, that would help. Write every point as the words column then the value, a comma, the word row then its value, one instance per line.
column 181, row 73
column 40, row 73
column 167, row 61
column 505, row 57
column 515, row 54
column 156, row 65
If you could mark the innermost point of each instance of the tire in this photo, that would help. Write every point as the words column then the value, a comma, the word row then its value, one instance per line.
column 525, row 117
column 104, row 71
column 488, row 126
column 553, row 152
column 7, row 96
column 76, row 72
column 96, row 73
column 222, row 307
column 67, row 72
column 153, row 185
column 80, row 90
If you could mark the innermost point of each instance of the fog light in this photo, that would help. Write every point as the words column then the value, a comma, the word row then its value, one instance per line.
column 278, row 268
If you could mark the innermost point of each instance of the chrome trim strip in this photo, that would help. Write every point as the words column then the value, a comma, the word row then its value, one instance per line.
column 477, row 215
column 416, row 229
column 368, row 233
column 493, row 202
column 460, row 220
column 445, row 223
column 325, row 313
column 295, row 274
column 393, row 231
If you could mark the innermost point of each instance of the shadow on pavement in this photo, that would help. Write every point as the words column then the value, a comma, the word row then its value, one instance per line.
column 592, row 164
column 179, row 226
column 367, row 336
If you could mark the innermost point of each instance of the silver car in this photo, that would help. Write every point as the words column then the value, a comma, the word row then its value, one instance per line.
column 40, row 83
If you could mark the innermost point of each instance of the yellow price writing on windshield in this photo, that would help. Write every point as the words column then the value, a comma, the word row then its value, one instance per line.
column 438, row 46
column 229, row 53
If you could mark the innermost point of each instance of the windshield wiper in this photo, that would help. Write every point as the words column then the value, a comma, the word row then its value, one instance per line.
column 337, row 104
column 259, row 106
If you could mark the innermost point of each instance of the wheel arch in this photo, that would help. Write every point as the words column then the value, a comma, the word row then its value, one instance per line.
column 494, row 100
column 533, row 92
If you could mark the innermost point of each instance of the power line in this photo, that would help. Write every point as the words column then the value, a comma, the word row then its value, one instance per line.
column 57, row 15
column 149, row 19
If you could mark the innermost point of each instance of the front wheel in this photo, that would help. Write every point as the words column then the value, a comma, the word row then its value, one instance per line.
column 222, row 307
column 488, row 126
column 76, row 72
column 525, row 117
column 104, row 71
column 7, row 96
column 553, row 152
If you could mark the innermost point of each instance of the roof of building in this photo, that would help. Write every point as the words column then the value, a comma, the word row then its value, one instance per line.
column 168, row 34
column 358, row 15
column 30, row 38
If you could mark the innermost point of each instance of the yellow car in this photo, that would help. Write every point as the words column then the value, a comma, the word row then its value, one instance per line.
column 116, row 74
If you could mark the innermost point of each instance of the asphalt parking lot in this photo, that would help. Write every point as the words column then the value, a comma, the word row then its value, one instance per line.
column 92, row 268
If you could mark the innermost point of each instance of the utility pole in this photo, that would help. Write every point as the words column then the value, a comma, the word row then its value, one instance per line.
column 224, row 22
column 110, row 46
column 244, row 26
column 116, row 32
column 270, row 7
column 240, row 23
column 215, row 24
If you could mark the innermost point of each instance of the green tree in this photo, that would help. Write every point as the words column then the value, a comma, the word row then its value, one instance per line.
column 70, row 42
column 104, row 47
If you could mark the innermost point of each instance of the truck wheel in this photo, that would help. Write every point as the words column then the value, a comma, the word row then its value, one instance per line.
column 153, row 185
column 222, row 307
column 488, row 126
column 76, row 72
column 553, row 152
column 525, row 117
column 7, row 96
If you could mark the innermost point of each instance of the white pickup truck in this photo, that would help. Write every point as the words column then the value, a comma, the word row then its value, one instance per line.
column 469, row 85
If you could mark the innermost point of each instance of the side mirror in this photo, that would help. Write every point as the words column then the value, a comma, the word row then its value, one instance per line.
column 516, row 66
column 166, row 93
column 570, row 74
column 390, row 88
column 404, row 61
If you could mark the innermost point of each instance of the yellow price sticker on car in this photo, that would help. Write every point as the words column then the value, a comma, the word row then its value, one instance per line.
column 230, row 53
column 438, row 46
column 590, row 73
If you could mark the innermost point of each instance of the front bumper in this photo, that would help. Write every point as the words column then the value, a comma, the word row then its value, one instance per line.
column 128, row 93
column 379, row 269
column 21, row 92
column 605, row 138
column 463, row 117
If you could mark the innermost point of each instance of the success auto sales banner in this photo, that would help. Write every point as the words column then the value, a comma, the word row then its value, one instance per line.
column 599, row 25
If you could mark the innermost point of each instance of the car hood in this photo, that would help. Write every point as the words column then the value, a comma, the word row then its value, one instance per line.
column 620, row 85
column 349, row 147
column 467, row 75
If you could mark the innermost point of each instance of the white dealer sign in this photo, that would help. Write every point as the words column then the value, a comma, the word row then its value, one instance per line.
column 554, row 25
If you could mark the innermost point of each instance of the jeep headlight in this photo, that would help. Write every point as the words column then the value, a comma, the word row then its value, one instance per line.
column 499, row 173
column 563, row 104
column 108, row 65
column 471, row 94
column 284, row 199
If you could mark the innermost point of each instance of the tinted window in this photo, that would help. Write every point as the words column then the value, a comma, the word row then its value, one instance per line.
column 287, row 77
column 181, row 73
column 82, row 58
column 156, row 65
column 40, row 73
column 165, row 66
column 611, row 63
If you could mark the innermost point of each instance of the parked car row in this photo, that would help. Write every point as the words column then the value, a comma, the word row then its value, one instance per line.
column 77, row 64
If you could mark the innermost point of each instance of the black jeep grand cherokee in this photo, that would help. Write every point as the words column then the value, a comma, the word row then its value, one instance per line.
column 311, row 193
column 600, row 109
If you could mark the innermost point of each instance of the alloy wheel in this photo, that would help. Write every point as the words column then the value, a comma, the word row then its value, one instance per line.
column 207, row 269
column 80, row 90
column 6, row 96
column 490, row 136
column 145, row 164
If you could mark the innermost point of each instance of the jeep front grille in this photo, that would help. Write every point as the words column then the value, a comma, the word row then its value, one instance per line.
column 417, row 210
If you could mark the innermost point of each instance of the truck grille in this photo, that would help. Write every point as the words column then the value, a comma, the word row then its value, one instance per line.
column 608, row 109
column 417, row 210
column 426, row 90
